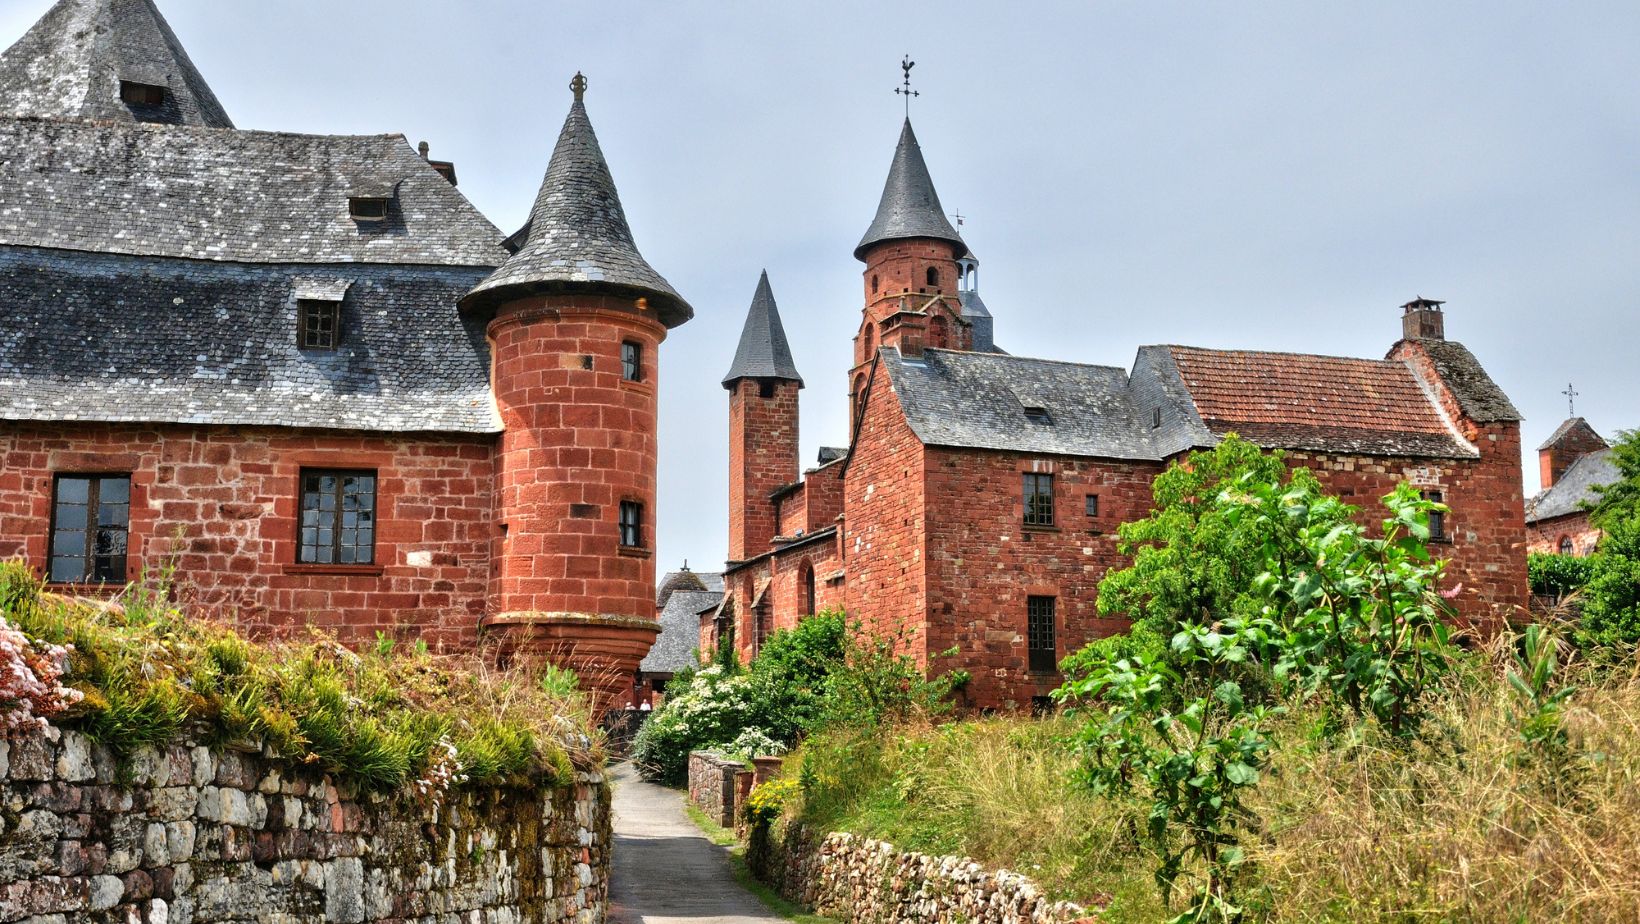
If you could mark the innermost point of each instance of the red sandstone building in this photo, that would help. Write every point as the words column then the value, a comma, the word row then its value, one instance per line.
column 1572, row 463
column 305, row 369
column 976, row 504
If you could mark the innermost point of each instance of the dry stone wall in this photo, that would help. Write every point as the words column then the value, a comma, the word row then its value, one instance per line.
column 856, row 879
column 712, row 785
column 184, row 835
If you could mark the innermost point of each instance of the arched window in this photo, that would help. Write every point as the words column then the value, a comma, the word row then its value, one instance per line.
column 859, row 395
column 934, row 276
column 874, row 284
column 1566, row 547
column 806, row 580
column 870, row 339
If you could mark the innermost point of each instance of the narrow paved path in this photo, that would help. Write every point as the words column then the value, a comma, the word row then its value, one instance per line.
column 666, row 871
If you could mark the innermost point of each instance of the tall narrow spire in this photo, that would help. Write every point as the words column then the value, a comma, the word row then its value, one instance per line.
column 910, row 207
column 577, row 239
column 763, row 352
column 112, row 60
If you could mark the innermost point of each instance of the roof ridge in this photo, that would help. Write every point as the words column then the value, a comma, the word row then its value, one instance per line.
column 1014, row 357
column 1363, row 359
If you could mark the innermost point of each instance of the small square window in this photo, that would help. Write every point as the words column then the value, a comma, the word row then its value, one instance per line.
column 319, row 324
column 1038, row 415
column 1038, row 499
column 1437, row 518
column 631, row 524
column 1093, row 506
column 632, row 361
column 338, row 518
column 1042, row 634
column 367, row 208
column 141, row 94
column 90, row 528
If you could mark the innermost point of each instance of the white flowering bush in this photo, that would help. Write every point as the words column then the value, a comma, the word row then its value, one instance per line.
column 30, row 675
column 711, row 711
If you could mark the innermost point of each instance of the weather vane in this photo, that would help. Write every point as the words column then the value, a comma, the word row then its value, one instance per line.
column 959, row 217
column 906, row 90
column 578, row 85
column 1571, row 400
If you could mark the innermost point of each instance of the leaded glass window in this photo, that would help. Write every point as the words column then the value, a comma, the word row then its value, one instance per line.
column 1042, row 634
column 338, row 518
column 1038, row 499
column 90, row 528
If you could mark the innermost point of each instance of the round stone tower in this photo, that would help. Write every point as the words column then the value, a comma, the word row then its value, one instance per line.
column 575, row 321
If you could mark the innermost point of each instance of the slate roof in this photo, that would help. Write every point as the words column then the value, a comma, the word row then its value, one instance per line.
column 240, row 196
column 910, row 207
column 686, row 580
column 1567, row 428
column 1325, row 403
column 763, row 352
column 1480, row 398
column 121, row 338
column 675, row 647
column 577, row 237
column 977, row 400
column 70, row 64
column 1575, row 487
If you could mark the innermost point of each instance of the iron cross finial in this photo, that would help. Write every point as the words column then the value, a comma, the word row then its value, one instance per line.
column 905, row 89
column 579, row 85
column 959, row 217
column 1571, row 400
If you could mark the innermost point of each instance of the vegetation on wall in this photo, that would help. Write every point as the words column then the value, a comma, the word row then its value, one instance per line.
column 143, row 669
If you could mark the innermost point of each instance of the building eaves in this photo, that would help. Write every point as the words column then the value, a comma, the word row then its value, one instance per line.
column 1478, row 396
column 578, row 238
column 909, row 208
column 736, row 567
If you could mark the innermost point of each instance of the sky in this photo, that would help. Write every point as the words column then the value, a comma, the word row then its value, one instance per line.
column 1278, row 176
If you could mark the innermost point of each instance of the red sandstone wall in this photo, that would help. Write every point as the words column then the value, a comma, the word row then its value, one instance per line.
column 1545, row 535
column 983, row 562
column 578, row 442
column 224, row 502
column 762, row 457
column 885, row 507
column 823, row 496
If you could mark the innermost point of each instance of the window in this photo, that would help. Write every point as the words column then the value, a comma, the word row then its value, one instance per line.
column 1156, row 418
column 933, row 276
column 1437, row 519
column 631, row 524
column 874, row 285
column 1093, row 506
column 1038, row 415
column 367, row 208
column 90, row 526
column 1566, row 547
column 338, row 518
column 1041, row 635
column 319, row 325
column 1038, row 499
column 141, row 94
column 631, row 361
column 808, row 589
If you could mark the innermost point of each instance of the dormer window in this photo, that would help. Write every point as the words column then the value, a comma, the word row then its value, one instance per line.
column 1037, row 414
column 319, row 312
column 371, row 209
column 146, row 95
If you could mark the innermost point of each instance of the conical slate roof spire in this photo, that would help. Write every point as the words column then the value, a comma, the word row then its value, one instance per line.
column 578, row 239
column 910, row 207
column 763, row 352
column 72, row 63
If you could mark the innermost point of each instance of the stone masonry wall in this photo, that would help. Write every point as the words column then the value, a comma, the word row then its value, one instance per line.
column 855, row 879
column 187, row 836
column 712, row 785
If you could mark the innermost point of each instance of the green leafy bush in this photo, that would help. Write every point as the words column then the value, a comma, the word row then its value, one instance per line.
column 1611, row 599
column 1557, row 575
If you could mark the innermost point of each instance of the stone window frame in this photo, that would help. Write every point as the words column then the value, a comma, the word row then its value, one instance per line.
column 1566, row 546
column 629, row 523
column 631, row 361
column 118, row 566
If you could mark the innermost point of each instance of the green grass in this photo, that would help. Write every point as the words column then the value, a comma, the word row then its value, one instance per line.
column 152, row 670
column 772, row 900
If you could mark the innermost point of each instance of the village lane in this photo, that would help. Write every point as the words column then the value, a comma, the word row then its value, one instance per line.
column 666, row 871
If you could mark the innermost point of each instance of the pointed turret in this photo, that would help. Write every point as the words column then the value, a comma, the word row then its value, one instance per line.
column 763, row 352
column 577, row 240
column 108, row 60
column 910, row 207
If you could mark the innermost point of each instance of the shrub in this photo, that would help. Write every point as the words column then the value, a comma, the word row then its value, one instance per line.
column 712, row 710
column 1611, row 599
column 1557, row 575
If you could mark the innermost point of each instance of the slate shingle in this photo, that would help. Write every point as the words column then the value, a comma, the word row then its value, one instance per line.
column 909, row 207
column 1576, row 487
column 763, row 352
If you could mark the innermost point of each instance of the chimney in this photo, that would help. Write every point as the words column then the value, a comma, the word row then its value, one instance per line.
column 1422, row 319
column 445, row 168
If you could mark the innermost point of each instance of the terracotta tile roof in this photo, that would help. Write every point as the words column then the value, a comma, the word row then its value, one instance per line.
column 1326, row 403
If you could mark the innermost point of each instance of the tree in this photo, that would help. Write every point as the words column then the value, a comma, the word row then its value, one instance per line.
column 1619, row 502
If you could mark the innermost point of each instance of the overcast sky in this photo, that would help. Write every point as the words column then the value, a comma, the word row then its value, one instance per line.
column 1275, row 176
